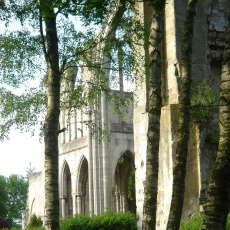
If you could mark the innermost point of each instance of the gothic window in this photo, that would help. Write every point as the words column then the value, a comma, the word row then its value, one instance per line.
column 67, row 200
column 125, row 183
column 82, row 193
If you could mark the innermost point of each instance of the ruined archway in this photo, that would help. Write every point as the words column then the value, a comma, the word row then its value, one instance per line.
column 82, row 193
column 125, row 183
column 66, row 192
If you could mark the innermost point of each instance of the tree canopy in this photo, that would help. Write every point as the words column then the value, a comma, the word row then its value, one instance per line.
column 23, row 76
column 3, row 195
column 13, row 193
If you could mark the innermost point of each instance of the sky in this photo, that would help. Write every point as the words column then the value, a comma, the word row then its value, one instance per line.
column 17, row 153
column 22, row 149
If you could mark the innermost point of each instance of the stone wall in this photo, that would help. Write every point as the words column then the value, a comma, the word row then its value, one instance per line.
column 89, row 149
column 35, row 198
column 208, row 43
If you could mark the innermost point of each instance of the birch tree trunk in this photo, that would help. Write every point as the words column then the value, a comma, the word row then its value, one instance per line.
column 216, row 207
column 153, row 134
column 51, row 126
column 179, row 163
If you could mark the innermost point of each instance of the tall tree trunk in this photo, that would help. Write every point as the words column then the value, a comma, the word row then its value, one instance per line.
column 216, row 207
column 179, row 163
column 153, row 134
column 51, row 126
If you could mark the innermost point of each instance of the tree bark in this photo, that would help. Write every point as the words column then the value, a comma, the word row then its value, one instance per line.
column 216, row 207
column 154, row 110
column 179, row 166
column 51, row 126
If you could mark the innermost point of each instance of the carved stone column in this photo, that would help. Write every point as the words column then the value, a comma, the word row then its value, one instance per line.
column 63, row 207
column 90, row 167
column 96, row 169
column 123, row 198
column 74, row 205
column 121, row 202
column 117, row 201
column 79, row 203
column 113, row 200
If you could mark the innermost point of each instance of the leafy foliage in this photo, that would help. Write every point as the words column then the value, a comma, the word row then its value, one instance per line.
column 22, row 110
column 132, row 193
column 203, row 100
column 106, row 221
column 3, row 224
column 30, row 170
column 228, row 223
column 13, row 201
column 212, row 137
column 35, row 222
column 22, row 58
column 157, row 4
column 3, row 195
column 131, row 186
column 17, row 193
column 29, row 228
column 92, row 10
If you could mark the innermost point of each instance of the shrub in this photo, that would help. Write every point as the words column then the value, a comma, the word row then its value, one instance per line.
column 35, row 222
column 106, row 221
column 3, row 224
column 228, row 223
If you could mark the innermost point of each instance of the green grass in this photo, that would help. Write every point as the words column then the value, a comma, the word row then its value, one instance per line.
column 195, row 223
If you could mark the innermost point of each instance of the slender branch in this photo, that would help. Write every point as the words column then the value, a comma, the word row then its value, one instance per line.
column 36, row 66
column 62, row 130
column 63, row 69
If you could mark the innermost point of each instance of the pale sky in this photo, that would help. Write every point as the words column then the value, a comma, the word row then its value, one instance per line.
column 22, row 149
column 17, row 153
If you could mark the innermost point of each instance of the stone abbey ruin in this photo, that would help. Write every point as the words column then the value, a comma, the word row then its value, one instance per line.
column 95, row 173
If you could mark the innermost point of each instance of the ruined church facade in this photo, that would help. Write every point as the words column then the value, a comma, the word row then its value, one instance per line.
column 94, row 172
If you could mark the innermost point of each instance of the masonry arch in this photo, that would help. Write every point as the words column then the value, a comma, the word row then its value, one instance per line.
column 82, row 188
column 66, row 191
column 125, row 183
